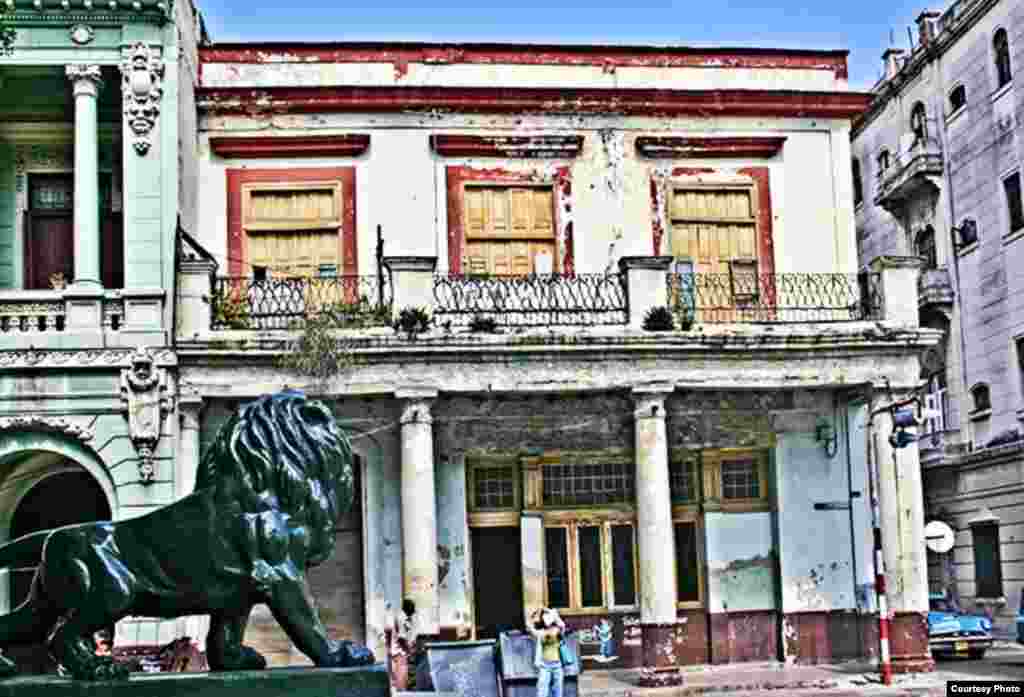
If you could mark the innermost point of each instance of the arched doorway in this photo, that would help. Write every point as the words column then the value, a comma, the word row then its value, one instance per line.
column 67, row 497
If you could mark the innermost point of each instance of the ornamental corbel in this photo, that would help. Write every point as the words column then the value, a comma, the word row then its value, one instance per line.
column 142, row 72
column 146, row 401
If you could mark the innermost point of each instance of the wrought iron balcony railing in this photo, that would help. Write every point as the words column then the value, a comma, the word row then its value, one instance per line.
column 783, row 297
column 531, row 300
column 281, row 303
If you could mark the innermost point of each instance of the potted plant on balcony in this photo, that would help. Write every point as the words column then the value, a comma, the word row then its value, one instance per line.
column 58, row 281
column 659, row 319
column 413, row 321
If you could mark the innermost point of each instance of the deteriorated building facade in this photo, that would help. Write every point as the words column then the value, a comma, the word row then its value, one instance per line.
column 704, row 487
column 937, row 175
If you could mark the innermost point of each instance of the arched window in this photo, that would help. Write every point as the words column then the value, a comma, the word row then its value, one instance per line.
column 957, row 99
column 981, row 397
column 1001, row 49
column 858, row 187
column 883, row 162
column 924, row 246
column 919, row 122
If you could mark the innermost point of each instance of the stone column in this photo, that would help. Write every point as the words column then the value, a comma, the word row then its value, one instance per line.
column 86, row 81
column 655, row 537
column 901, row 507
column 419, row 510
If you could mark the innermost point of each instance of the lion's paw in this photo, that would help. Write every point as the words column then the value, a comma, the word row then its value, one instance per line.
column 349, row 655
column 99, row 668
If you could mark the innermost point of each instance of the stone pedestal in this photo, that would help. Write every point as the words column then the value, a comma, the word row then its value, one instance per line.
column 412, row 282
column 899, row 288
column 655, row 538
column 646, row 285
column 419, row 510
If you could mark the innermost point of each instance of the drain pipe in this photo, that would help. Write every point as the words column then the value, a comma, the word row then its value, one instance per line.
column 884, row 659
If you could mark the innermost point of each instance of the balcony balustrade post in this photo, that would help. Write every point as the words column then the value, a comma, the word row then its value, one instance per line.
column 899, row 288
column 412, row 283
column 646, row 285
column 195, row 313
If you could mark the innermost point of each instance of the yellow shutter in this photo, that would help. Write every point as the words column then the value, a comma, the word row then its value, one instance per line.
column 505, row 228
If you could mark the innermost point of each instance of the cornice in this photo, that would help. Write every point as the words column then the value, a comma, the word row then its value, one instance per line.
column 629, row 102
column 250, row 147
column 28, row 12
column 91, row 358
column 555, row 146
column 710, row 147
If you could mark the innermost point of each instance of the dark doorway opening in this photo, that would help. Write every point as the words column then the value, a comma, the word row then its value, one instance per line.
column 61, row 499
column 497, row 580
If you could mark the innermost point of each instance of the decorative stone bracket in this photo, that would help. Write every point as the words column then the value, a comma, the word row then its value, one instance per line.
column 142, row 72
column 146, row 401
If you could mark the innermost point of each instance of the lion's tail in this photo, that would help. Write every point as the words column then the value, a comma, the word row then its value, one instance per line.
column 25, row 551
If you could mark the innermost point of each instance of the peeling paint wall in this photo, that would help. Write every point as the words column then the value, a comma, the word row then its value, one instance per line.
column 741, row 562
column 455, row 574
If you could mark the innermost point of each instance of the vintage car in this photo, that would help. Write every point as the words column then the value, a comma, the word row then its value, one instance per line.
column 953, row 633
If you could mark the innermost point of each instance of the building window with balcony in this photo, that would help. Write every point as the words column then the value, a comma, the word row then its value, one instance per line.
column 858, row 186
column 988, row 572
column 1014, row 206
column 924, row 247
column 1001, row 51
column 883, row 162
column 957, row 99
column 509, row 230
column 919, row 123
column 982, row 401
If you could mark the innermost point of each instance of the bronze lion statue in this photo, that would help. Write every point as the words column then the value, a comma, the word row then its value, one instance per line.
column 268, row 493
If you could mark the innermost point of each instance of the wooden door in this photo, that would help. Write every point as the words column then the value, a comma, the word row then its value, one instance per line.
column 49, row 248
column 715, row 231
column 497, row 580
column 509, row 231
column 112, row 250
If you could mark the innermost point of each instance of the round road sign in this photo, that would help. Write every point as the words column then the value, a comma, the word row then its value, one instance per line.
column 938, row 537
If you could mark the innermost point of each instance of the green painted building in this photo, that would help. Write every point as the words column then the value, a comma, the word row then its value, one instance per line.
column 97, row 153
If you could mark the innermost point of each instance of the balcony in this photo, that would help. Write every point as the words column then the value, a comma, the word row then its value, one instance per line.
column 82, row 318
column 241, row 303
column 934, row 289
column 909, row 172
column 779, row 298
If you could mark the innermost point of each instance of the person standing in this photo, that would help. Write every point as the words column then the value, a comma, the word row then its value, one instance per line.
column 547, row 630
column 403, row 646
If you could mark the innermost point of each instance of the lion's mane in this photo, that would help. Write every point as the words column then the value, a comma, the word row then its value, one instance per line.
column 283, row 452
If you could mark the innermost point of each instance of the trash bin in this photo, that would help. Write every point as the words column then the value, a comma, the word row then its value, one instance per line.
column 517, row 671
column 464, row 667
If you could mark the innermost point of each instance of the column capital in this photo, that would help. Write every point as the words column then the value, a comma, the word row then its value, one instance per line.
column 85, row 79
column 416, row 407
column 649, row 400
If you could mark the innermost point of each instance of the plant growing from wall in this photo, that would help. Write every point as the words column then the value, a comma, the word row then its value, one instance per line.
column 316, row 352
column 412, row 321
column 482, row 324
column 230, row 310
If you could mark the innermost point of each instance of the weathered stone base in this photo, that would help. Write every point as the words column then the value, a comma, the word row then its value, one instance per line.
column 744, row 636
column 909, row 641
column 825, row 637
column 660, row 657
column 278, row 682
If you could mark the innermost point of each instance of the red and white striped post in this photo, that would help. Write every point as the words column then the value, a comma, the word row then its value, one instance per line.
column 884, row 657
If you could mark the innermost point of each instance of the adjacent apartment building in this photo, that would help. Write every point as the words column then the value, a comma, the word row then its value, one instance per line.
column 707, row 488
column 96, row 133
column 936, row 172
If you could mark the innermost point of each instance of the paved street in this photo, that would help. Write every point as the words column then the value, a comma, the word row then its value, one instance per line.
column 1005, row 661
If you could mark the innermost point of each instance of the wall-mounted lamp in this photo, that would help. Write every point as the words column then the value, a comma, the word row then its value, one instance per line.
column 825, row 434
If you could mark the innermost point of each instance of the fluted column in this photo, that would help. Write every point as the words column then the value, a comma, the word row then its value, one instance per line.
column 86, row 82
column 655, row 538
column 419, row 511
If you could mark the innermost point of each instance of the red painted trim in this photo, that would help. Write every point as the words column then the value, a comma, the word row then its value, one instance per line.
column 629, row 102
column 506, row 146
column 457, row 175
column 677, row 148
column 346, row 234
column 348, row 145
column 609, row 57
column 766, row 238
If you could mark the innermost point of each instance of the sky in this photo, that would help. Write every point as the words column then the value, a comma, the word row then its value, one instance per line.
column 863, row 27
